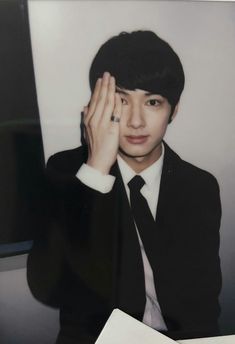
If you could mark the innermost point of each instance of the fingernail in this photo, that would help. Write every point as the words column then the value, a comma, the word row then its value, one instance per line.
column 106, row 74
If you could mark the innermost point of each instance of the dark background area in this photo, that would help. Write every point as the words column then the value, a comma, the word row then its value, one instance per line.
column 21, row 150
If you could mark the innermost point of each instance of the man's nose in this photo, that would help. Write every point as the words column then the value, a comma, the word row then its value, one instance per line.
column 135, row 117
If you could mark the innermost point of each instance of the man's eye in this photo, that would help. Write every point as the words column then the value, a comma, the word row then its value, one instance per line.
column 153, row 102
column 124, row 101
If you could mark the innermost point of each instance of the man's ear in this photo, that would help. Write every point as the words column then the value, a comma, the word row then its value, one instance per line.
column 172, row 116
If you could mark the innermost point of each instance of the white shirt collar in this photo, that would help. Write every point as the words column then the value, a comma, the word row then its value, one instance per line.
column 150, row 175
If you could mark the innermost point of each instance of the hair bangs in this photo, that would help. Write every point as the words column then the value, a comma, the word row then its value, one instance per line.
column 140, row 60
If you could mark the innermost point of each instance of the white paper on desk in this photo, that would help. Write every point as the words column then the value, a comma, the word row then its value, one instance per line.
column 121, row 328
column 210, row 340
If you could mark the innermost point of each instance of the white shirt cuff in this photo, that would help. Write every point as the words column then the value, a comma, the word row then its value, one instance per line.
column 95, row 179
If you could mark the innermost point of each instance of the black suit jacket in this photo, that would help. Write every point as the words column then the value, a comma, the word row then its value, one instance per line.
column 86, row 257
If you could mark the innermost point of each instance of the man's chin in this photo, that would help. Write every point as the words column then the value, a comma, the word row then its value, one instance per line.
column 141, row 152
column 133, row 155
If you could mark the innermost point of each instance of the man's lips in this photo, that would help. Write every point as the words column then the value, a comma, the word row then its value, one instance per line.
column 134, row 139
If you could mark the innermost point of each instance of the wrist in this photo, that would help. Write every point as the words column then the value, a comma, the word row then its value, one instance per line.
column 97, row 165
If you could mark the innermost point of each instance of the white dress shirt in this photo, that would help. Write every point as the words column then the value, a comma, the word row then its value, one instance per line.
column 152, row 176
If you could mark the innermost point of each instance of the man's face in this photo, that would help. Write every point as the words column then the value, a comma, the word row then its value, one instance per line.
column 143, row 125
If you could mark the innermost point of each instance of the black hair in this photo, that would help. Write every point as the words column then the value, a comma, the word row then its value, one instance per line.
column 140, row 60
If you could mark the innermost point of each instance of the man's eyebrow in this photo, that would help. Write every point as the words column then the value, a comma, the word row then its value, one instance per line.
column 152, row 94
column 118, row 90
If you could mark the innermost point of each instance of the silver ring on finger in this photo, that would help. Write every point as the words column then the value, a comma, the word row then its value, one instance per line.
column 115, row 119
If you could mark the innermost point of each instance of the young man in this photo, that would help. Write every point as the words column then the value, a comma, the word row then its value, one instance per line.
column 127, row 224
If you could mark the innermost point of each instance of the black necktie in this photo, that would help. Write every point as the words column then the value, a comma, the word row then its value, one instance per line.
column 141, row 213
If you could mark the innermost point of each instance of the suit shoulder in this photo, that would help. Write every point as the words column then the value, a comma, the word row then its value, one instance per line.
column 187, row 172
column 198, row 175
column 67, row 161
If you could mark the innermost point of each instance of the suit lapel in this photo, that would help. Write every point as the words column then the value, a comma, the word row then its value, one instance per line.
column 165, row 255
column 168, row 182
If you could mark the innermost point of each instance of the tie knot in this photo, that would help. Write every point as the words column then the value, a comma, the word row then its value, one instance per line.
column 136, row 183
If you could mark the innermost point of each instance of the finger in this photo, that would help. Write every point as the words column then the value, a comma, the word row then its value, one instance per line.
column 110, row 101
column 101, row 98
column 85, row 115
column 117, row 111
column 94, row 99
column 87, row 129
